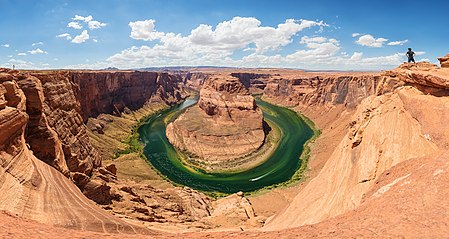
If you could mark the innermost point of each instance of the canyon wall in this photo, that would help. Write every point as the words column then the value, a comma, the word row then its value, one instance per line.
column 389, row 125
column 31, row 188
column 42, row 120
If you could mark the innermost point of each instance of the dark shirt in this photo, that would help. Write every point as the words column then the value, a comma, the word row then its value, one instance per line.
column 410, row 54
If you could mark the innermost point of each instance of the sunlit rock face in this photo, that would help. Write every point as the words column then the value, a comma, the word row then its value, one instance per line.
column 225, row 124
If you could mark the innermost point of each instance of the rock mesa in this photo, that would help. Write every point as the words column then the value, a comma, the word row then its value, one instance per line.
column 225, row 124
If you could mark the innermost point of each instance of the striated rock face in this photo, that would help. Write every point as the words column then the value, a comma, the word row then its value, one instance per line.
column 225, row 124
column 31, row 188
column 41, row 120
column 444, row 61
column 322, row 90
column 388, row 128
column 112, row 92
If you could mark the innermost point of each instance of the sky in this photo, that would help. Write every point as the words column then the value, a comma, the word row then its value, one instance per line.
column 312, row 35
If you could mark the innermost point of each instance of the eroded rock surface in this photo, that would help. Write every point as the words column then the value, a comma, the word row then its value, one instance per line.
column 444, row 61
column 225, row 124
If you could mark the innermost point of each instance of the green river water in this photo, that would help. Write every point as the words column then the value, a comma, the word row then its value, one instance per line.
column 280, row 167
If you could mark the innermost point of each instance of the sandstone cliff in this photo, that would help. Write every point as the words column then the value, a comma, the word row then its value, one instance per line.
column 45, row 111
column 225, row 124
column 30, row 188
column 389, row 127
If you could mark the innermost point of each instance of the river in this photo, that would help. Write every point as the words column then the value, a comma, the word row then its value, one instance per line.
column 280, row 167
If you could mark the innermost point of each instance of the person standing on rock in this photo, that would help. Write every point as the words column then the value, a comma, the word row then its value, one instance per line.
column 410, row 54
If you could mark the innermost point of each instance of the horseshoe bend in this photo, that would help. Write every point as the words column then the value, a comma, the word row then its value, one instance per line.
column 240, row 127
column 226, row 123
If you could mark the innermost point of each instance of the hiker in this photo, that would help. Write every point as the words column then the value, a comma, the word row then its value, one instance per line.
column 410, row 54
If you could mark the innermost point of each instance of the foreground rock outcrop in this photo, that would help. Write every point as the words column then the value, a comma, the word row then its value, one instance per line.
column 444, row 61
column 225, row 124
column 31, row 188
column 389, row 127
column 42, row 125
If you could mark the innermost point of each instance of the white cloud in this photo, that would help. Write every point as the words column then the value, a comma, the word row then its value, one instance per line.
column 19, row 64
column 217, row 45
column 21, row 54
column 420, row 53
column 91, row 23
column 84, row 36
column 397, row 43
column 425, row 59
column 37, row 43
column 242, row 31
column 144, row 30
column 74, row 25
column 306, row 39
column 84, row 19
column 6, row 45
column 370, row 41
column 238, row 33
column 65, row 35
column 355, row 34
column 357, row 56
column 37, row 51
column 96, row 24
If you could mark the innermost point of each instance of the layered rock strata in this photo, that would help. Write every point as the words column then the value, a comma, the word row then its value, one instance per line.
column 225, row 124
column 388, row 127
column 31, row 188
column 42, row 125
column 444, row 61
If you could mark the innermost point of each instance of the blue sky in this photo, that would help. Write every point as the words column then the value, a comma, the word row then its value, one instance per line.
column 326, row 35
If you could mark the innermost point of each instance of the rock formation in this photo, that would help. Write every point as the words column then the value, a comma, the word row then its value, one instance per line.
column 386, row 174
column 31, row 188
column 444, row 61
column 225, row 124
column 389, row 127
column 42, row 121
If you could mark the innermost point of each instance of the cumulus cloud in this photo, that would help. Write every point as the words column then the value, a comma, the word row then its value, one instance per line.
column 242, row 31
column 357, row 56
column 67, row 36
column 355, row 34
column 84, row 36
column 370, row 41
column 237, row 33
column 19, row 64
column 77, row 23
column 91, row 23
column 37, row 51
column 259, row 44
column 37, row 43
column 397, row 43
column 74, row 25
column 95, row 24
column 144, row 30
column 84, row 19
column 6, row 45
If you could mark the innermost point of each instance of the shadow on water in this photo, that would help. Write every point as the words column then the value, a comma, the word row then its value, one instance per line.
column 279, row 168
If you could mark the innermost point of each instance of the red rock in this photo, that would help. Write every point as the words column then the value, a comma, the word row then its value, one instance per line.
column 444, row 61
column 224, row 125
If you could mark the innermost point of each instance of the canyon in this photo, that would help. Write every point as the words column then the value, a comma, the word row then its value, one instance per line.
column 379, row 167
column 225, row 125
